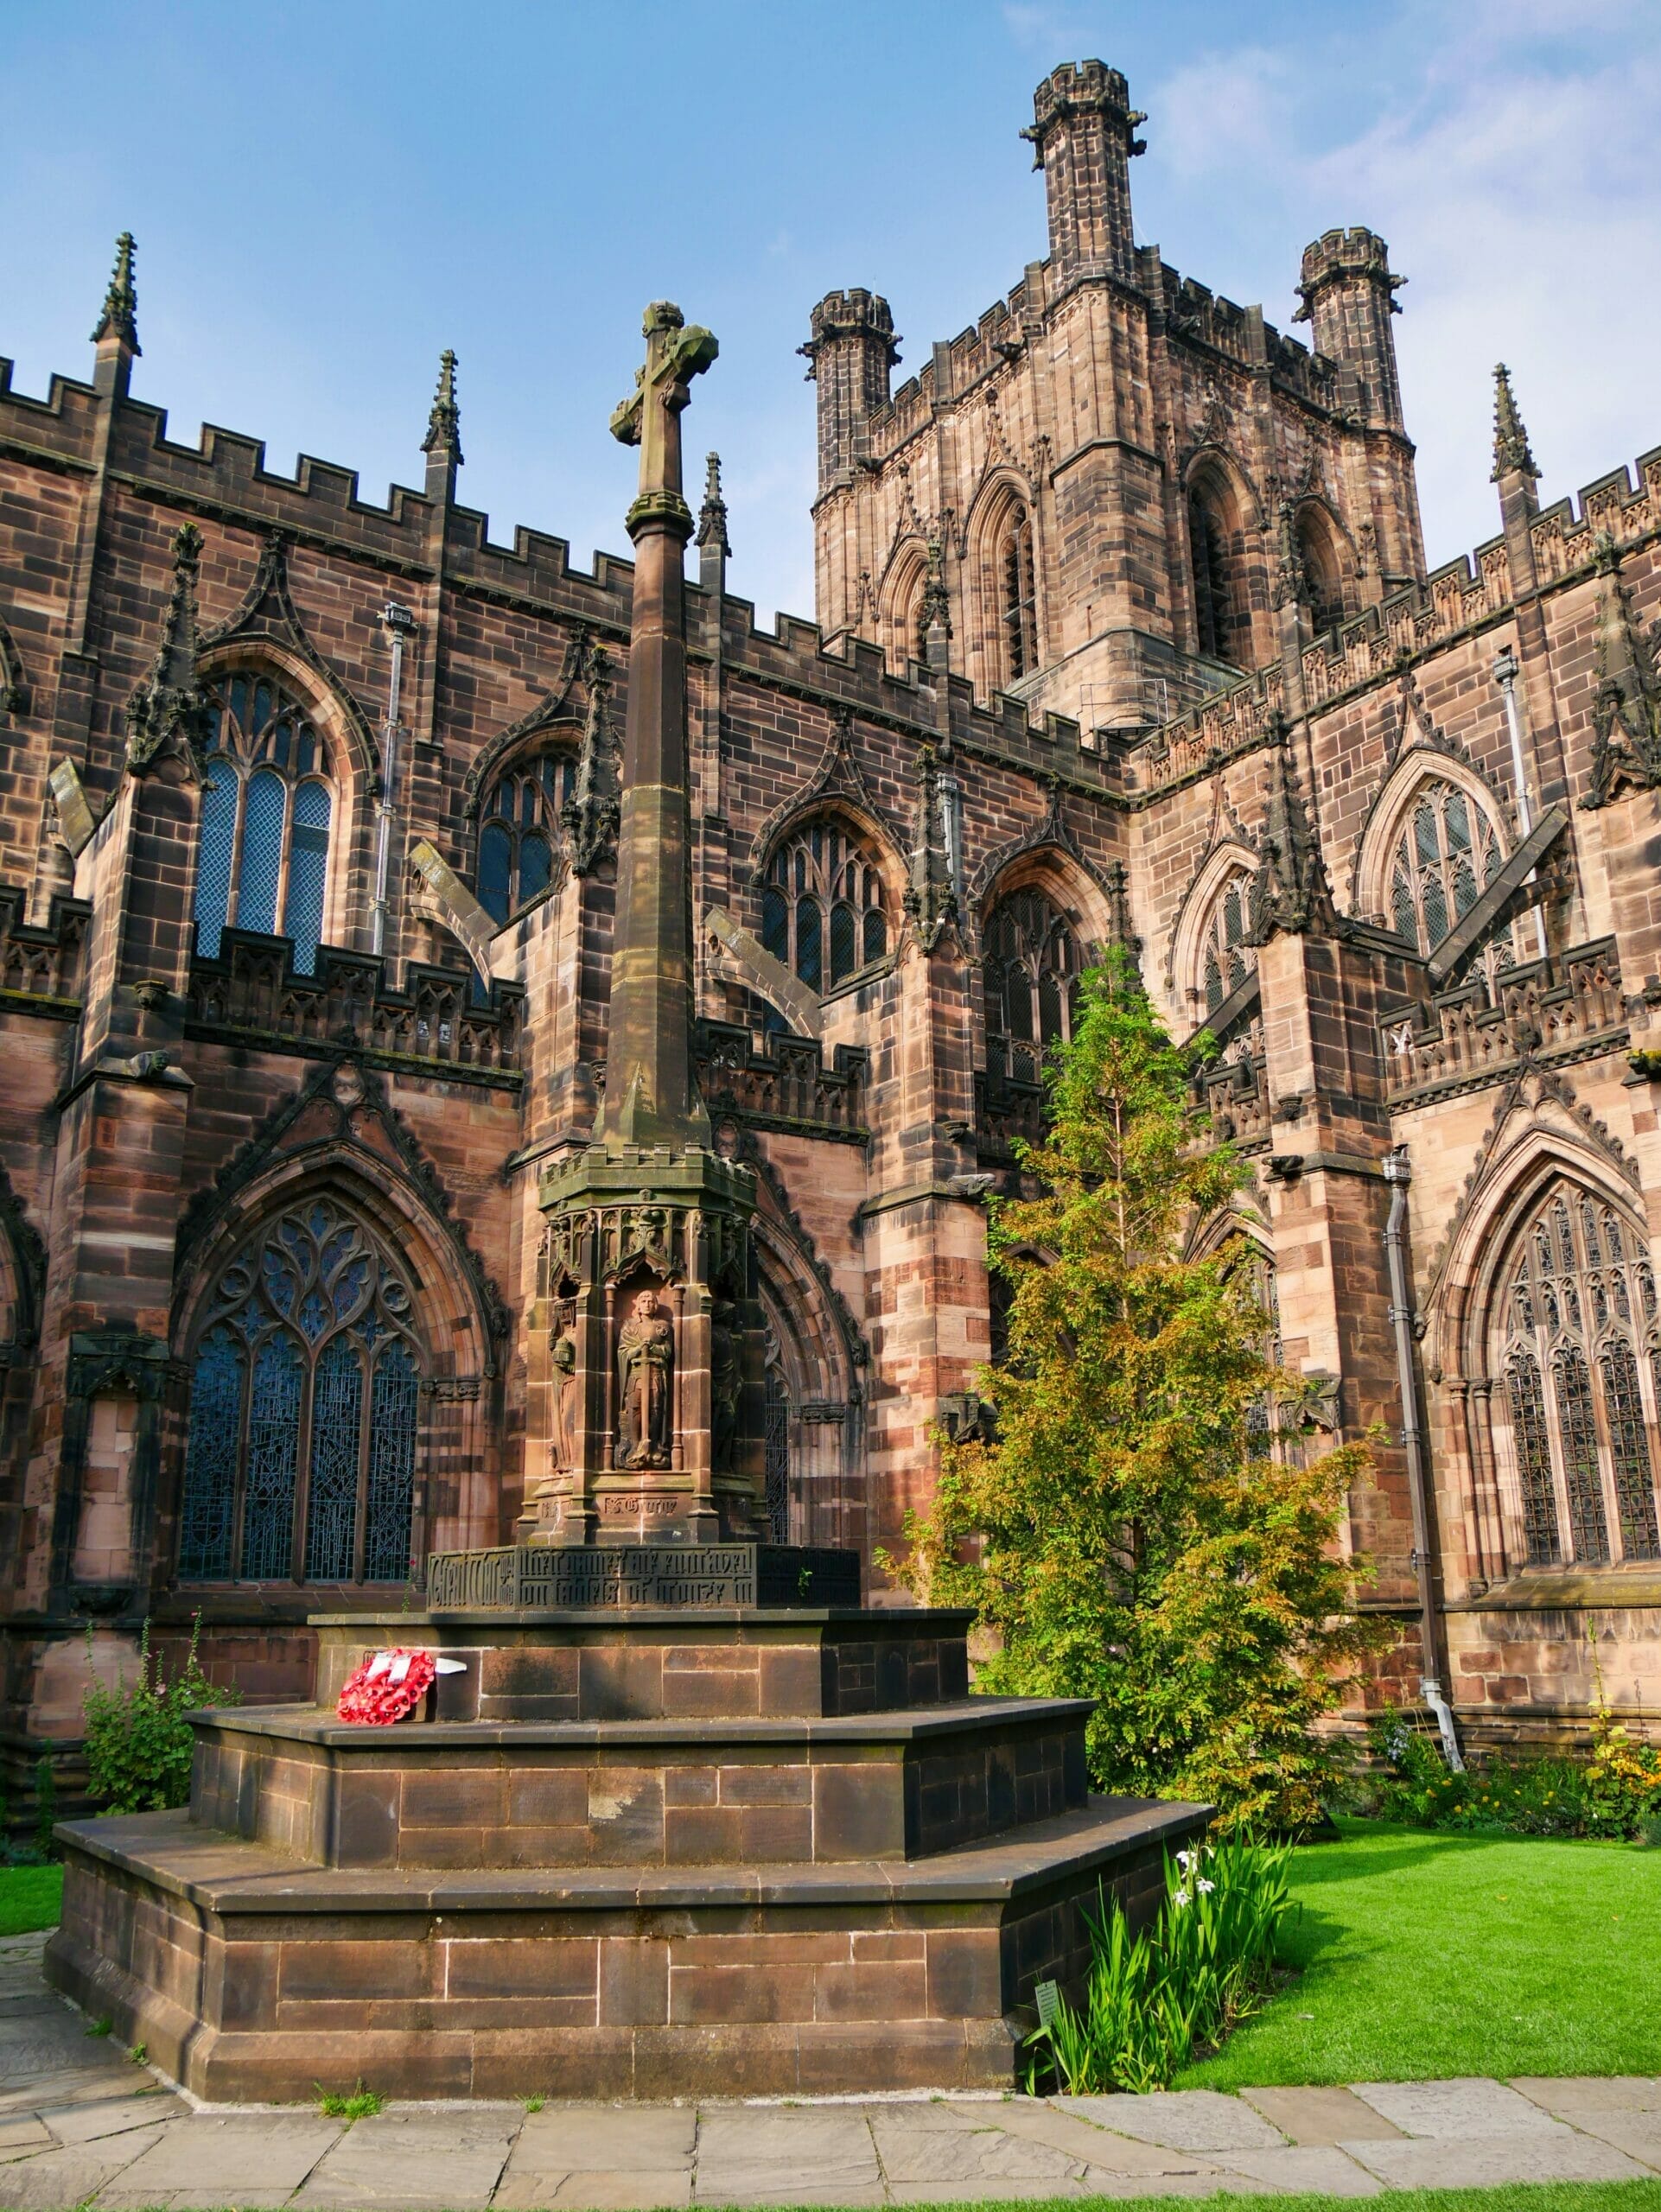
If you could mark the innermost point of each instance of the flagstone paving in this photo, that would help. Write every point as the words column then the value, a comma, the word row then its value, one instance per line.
column 82, row 2125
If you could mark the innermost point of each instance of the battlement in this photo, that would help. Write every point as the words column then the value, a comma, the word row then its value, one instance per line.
column 855, row 312
column 1083, row 88
column 1343, row 257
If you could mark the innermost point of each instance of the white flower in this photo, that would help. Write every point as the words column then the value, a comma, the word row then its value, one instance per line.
column 1203, row 1884
column 1185, row 1859
column 1181, row 1897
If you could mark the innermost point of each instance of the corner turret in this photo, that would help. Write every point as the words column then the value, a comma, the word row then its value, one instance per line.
column 1083, row 135
column 849, row 354
column 1348, row 290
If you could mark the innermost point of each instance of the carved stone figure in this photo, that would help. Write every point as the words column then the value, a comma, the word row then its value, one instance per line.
column 723, row 1386
column 646, row 1368
column 564, row 1357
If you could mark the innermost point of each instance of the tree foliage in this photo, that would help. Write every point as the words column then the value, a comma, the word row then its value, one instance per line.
column 1134, row 1534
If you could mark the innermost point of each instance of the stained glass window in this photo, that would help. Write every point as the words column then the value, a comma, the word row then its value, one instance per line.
column 285, row 1479
column 262, row 859
column 1226, row 958
column 1577, row 1303
column 1032, row 970
column 518, row 831
column 822, row 908
column 777, row 1459
column 1446, row 852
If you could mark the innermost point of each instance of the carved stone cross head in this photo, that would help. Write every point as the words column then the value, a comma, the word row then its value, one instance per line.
column 675, row 353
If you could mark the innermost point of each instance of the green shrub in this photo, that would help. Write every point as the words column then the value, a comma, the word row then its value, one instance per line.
column 1153, row 2000
column 1615, row 1792
column 138, row 1739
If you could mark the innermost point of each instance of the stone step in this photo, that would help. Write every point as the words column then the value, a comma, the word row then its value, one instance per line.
column 899, row 1785
column 664, row 1663
column 248, row 1973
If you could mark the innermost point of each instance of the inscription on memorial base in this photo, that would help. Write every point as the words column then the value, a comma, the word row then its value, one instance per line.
column 615, row 1577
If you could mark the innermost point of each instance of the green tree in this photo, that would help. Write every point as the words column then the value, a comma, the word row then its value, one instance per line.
column 1130, row 1535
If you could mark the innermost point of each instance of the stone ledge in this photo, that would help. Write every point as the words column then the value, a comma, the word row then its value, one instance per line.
column 305, row 1724
column 221, row 1875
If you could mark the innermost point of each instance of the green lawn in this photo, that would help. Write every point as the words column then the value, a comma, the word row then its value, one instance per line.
column 30, row 1897
column 1426, row 1953
column 1516, row 2196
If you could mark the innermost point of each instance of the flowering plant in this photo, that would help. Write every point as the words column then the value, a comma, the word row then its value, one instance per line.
column 388, row 1685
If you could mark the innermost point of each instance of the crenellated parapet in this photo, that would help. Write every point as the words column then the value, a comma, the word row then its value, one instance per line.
column 250, row 995
column 42, row 965
column 1553, row 1013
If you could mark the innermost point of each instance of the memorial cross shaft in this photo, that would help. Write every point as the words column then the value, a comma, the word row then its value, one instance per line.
column 652, row 1095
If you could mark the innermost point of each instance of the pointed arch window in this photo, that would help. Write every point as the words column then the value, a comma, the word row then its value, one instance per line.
column 300, row 1463
column 1319, row 557
column 262, row 860
column 1221, row 621
column 1226, row 958
column 1577, row 1345
column 1017, row 590
column 823, row 910
column 1031, row 970
column 1446, row 853
column 519, row 833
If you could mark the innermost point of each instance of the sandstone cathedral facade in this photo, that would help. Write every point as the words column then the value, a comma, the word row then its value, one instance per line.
column 308, row 840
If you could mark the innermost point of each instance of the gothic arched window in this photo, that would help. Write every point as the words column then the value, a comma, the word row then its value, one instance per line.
column 1032, row 969
column 267, row 808
column 301, row 1462
column 1576, row 1343
column 1319, row 557
column 1226, row 958
column 519, row 832
column 1017, row 595
column 1221, row 619
column 1446, row 852
column 822, row 908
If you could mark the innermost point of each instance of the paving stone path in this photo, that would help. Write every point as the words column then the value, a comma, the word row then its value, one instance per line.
column 82, row 2125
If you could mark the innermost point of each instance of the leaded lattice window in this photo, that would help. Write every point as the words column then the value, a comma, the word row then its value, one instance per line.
column 1226, row 958
column 300, row 1466
column 262, row 859
column 1018, row 596
column 823, row 911
column 1032, row 969
column 776, row 1459
column 1577, row 1349
column 519, row 833
column 1446, row 853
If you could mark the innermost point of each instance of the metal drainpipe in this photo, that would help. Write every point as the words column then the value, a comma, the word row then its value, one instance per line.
column 1506, row 670
column 399, row 622
column 1398, row 1174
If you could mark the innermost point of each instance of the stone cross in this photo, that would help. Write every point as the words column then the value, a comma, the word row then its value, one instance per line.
column 650, row 416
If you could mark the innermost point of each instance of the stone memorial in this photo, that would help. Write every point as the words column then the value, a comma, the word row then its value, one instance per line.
column 677, row 1816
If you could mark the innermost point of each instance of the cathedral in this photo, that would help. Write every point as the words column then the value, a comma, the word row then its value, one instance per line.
column 309, row 840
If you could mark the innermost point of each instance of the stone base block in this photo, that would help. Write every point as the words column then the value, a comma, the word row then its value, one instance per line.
column 248, row 1973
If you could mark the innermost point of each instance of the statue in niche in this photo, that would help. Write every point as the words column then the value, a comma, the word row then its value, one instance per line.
column 646, row 1368
column 564, row 1357
column 723, row 1386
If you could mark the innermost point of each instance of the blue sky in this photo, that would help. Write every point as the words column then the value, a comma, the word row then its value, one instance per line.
column 325, row 195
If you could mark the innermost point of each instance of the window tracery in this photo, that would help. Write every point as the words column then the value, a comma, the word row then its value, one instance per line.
column 823, row 911
column 519, row 833
column 1031, row 968
column 300, row 1464
column 1577, row 1304
column 267, row 810
column 1446, row 853
column 1226, row 958
column 1017, row 595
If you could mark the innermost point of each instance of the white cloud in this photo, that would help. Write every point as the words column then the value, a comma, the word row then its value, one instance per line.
column 1214, row 114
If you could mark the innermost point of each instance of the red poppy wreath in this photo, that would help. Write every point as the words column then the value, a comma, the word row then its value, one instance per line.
column 388, row 1685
